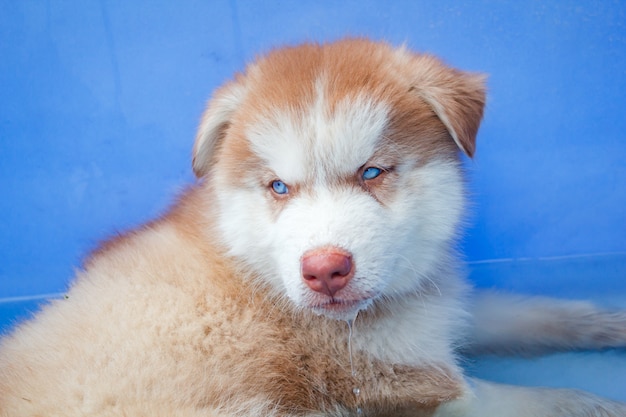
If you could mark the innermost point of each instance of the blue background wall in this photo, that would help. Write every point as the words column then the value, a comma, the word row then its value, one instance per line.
column 99, row 103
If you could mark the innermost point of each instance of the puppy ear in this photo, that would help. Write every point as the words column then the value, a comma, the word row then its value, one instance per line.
column 457, row 98
column 214, row 125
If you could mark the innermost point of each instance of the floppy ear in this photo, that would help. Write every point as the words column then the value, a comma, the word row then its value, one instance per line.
column 457, row 98
column 214, row 125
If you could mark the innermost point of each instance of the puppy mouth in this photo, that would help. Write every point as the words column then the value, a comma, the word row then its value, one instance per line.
column 334, row 303
column 339, row 308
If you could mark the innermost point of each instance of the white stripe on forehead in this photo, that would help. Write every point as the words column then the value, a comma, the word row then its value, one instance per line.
column 316, row 143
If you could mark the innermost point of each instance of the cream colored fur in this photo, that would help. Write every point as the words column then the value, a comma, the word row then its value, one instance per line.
column 206, row 312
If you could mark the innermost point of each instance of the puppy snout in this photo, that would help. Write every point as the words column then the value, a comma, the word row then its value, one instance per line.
column 327, row 270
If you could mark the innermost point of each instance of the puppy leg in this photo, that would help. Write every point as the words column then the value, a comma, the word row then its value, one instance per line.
column 512, row 324
column 492, row 400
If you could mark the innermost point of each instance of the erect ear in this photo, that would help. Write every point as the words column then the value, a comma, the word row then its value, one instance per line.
column 214, row 125
column 456, row 97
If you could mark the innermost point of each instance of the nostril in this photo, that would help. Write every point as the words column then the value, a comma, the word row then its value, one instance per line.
column 327, row 270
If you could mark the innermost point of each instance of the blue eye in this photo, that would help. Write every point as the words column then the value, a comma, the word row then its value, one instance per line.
column 371, row 173
column 279, row 187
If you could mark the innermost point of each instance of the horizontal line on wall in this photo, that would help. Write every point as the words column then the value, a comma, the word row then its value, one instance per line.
column 547, row 258
column 31, row 297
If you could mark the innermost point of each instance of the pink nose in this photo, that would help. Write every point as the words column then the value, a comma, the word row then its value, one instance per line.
column 327, row 270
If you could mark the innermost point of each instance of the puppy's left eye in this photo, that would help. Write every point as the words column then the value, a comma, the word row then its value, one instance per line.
column 371, row 173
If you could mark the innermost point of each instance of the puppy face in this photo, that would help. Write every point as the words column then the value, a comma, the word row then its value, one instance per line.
column 335, row 170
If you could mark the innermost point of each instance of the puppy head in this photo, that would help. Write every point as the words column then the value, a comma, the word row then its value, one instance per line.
column 335, row 169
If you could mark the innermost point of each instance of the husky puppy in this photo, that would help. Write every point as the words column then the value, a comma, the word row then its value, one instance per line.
column 311, row 271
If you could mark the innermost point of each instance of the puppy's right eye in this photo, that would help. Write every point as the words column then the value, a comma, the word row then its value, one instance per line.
column 371, row 173
column 279, row 187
